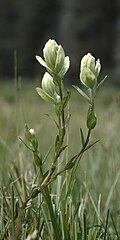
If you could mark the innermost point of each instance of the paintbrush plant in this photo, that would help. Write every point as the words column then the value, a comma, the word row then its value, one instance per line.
column 52, row 91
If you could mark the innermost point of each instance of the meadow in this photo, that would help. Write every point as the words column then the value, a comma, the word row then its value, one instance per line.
column 97, row 182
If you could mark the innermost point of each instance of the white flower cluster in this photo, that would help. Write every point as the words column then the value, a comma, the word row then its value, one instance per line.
column 56, row 65
column 89, row 70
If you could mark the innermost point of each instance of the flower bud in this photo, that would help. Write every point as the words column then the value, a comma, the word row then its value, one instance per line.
column 89, row 70
column 48, row 92
column 87, row 78
column 91, row 118
column 97, row 67
column 54, row 59
column 54, row 56
column 50, row 53
column 32, row 132
column 47, row 84
column 30, row 136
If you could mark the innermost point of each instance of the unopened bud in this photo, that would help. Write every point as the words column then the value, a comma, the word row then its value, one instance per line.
column 32, row 132
column 54, row 59
column 54, row 56
column 89, row 70
column 91, row 118
column 47, row 84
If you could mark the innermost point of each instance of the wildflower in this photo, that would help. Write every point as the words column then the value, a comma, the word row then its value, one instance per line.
column 89, row 70
column 48, row 90
column 47, row 84
column 32, row 132
column 30, row 136
column 54, row 59
column 29, row 133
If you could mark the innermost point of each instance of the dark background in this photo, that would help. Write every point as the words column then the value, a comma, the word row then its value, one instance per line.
column 80, row 26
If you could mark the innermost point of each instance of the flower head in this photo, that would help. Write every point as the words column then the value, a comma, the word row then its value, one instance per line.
column 47, row 84
column 89, row 70
column 48, row 91
column 54, row 59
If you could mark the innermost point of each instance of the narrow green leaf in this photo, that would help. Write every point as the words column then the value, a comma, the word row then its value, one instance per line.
column 46, row 114
column 12, row 210
column 106, row 225
column 2, row 213
column 67, row 119
column 101, row 83
column 16, row 186
column 38, row 159
column 32, row 150
column 82, row 137
column 45, row 174
column 57, row 144
column 70, row 163
column 90, row 145
column 65, row 229
column 114, row 225
column 66, row 99
column 63, row 148
column 85, row 225
column 82, row 94
column 46, row 221
column 53, row 216
column 47, row 154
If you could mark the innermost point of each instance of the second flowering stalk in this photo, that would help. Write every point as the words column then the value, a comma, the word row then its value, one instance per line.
column 56, row 64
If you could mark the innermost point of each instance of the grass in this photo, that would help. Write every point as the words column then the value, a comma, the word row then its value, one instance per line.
column 93, row 209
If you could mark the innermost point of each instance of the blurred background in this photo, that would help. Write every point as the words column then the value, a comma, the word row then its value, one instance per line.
column 80, row 26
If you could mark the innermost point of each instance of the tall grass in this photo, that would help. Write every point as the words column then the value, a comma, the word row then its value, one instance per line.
column 91, row 210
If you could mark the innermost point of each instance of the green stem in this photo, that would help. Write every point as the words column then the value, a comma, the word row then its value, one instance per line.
column 85, row 144
column 78, row 158
column 62, row 114
column 67, row 143
column 61, row 119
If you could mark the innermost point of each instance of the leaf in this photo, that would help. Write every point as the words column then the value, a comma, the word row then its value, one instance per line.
column 63, row 148
column 45, row 175
column 65, row 99
column 45, row 96
column 46, row 114
column 38, row 159
column 47, row 154
column 67, row 119
column 83, row 94
column 70, row 163
column 82, row 137
column 101, row 83
column 57, row 144
column 90, row 145
column 32, row 150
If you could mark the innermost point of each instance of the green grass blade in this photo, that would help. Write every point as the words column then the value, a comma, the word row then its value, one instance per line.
column 114, row 225
column 12, row 210
column 106, row 225
column 84, row 225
